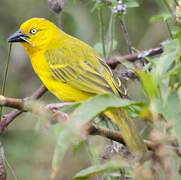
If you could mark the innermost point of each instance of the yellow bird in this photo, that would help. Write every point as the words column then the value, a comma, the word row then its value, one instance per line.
column 73, row 71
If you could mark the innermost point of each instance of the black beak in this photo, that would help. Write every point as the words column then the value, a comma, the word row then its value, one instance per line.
column 18, row 36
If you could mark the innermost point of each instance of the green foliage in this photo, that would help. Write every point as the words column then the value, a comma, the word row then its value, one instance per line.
column 160, row 79
column 131, row 3
column 96, row 169
column 83, row 114
column 161, row 17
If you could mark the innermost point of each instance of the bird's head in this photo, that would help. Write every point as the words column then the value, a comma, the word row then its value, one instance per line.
column 36, row 32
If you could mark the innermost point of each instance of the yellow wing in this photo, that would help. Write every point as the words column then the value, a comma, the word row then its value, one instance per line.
column 84, row 72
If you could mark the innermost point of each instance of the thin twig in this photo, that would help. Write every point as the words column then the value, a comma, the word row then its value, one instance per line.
column 113, row 62
column 93, row 129
column 11, row 102
column 126, row 36
column 8, row 118
column 59, row 105
column 39, row 92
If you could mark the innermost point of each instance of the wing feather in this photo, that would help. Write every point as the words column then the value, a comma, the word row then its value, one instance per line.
column 82, row 74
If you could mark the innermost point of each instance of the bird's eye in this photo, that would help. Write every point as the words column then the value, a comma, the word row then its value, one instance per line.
column 33, row 31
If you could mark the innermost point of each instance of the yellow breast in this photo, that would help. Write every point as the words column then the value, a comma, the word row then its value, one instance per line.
column 61, row 90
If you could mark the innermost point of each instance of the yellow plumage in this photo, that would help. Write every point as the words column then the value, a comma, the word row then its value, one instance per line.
column 73, row 71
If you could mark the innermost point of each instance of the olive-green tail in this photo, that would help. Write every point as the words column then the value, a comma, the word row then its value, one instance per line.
column 129, row 131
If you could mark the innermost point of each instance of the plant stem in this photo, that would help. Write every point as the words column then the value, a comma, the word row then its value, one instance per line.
column 102, row 32
column 126, row 35
column 169, row 30
column 5, row 77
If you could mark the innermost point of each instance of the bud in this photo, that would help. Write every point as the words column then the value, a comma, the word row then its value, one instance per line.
column 56, row 5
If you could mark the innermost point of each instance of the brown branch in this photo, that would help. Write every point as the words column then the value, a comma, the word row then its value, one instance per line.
column 11, row 102
column 39, row 92
column 89, row 128
column 93, row 129
column 8, row 118
column 113, row 62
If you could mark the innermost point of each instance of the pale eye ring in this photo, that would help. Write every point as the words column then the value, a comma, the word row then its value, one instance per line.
column 33, row 31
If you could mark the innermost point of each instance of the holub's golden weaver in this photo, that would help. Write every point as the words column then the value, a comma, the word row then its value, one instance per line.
column 73, row 71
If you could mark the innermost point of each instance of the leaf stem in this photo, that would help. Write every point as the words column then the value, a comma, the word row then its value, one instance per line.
column 5, row 77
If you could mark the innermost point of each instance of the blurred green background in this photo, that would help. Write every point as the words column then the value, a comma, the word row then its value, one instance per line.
column 28, row 149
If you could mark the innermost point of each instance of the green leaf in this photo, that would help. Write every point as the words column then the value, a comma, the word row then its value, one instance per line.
column 161, row 17
column 70, row 107
column 131, row 4
column 96, row 169
column 176, row 32
column 114, row 2
column 148, row 84
column 100, row 5
column 171, row 50
column 84, row 113
column 77, row 146
column 94, row 106
column 172, row 112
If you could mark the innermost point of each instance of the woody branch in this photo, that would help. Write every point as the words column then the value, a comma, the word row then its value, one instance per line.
column 89, row 128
